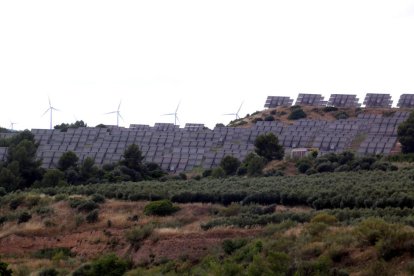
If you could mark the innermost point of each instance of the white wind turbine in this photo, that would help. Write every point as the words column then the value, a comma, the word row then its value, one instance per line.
column 50, row 109
column 12, row 125
column 237, row 113
column 118, row 113
column 175, row 114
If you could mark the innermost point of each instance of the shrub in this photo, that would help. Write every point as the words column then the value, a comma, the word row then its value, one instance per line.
column 88, row 206
column 160, row 208
column 296, row 114
column 98, row 198
column 229, row 246
column 138, row 234
column 324, row 218
column 218, row 172
column 342, row 115
column 24, row 217
column 269, row 118
column 329, row 108
column 92, row 217
column 108, row 265
column 48, row 272
column 207, row 173
column 4, row 271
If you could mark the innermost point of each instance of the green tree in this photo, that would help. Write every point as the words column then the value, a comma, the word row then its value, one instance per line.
column 88, row 169
column 21, row 157
column 8, row 180
column 267, row 146
column 132, row 158
column 230, row 164
column 68, row 160
column 52, row 178
column 406, row 134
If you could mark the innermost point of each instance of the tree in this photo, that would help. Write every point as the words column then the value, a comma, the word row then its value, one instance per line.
column 406, row 134
column 230, row 164
column 52, row 178
column 88, row 169
column 132, row 158
column 68, row 160
column 8, row 180
column 21, row 159
column 267, row 146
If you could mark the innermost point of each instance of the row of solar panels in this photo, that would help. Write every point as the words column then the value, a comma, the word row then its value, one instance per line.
column 372, row 100
column 178, row 149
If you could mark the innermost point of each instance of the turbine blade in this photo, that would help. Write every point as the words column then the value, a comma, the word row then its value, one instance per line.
column 229, row 114
column 120, row 116
column 177, row 107
column 45, row 112
column 176, row 118
column 119, row 106
column 168, row 114
column 50, row 104
column 240, row 108
column 112, row 112
column 55, row 109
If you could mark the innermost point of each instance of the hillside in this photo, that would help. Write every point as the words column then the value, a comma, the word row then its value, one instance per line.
column 281, row 114
column 311, row 225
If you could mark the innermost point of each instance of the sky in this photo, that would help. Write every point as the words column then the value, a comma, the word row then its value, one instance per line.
column 209, row 56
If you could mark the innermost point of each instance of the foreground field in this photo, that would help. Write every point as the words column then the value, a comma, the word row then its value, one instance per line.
column 326, row 224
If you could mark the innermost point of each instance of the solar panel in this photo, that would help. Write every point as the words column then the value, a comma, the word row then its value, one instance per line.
column 310, row 99
column 343, row 100
column 275, row 101
column 377, row 100
column 406, row 101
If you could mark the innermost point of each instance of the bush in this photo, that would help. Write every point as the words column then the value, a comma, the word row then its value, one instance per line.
column 269, row 118
column 138, row 234
column 92, row 217
column 229, row 246
column 48, row 272
column 88, row 206
column 160, row 208
column 230, row 164
column 296, row 114
column 218, row 172
column 24, row 217
column 98, row 198
column 324, row 218
column 4, row 271
column 108, row 265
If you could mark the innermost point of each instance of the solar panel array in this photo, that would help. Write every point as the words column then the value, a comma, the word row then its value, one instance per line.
column 275, row 101
column 310, row 99
column 377, row 100
column 343, row 100
column 406, row 101
column 182, row 149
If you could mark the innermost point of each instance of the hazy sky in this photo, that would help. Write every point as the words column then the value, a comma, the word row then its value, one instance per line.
column 211, row 55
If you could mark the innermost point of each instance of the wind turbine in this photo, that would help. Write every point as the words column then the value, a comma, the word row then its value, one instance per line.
column 12, row 125
column 175, row 114
column 118, row 114
column 237, row 113
column 50, row 109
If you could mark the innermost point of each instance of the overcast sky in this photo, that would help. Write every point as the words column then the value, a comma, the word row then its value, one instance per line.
column 210, row 55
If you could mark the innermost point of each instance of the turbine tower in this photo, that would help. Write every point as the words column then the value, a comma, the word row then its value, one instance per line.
column 237, row 113
column 175, row 114
column 12, row 125
column 50, row 109
column 118, row 114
